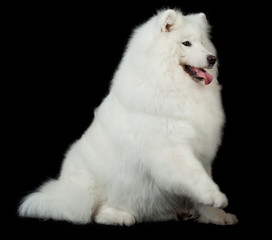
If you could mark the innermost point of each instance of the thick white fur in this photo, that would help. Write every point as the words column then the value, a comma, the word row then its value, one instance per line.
column 148, row 152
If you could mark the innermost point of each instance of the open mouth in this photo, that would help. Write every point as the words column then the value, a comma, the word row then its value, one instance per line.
column 198, row 73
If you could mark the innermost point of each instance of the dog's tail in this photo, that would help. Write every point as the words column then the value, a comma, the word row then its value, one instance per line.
column 59, row 200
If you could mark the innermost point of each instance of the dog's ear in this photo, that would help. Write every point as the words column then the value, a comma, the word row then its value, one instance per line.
column 202, row 19
column 167, row 20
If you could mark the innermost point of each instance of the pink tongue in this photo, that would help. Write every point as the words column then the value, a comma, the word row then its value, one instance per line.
column 206, row 76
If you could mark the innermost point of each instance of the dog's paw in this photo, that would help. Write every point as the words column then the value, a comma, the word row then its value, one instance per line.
column 215, row 199
column 187, row 214
column 216, row 216
column 111, row 216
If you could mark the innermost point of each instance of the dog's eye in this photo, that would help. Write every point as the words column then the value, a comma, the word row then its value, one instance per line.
column 187, row 44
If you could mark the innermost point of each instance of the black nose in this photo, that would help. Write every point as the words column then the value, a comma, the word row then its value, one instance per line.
column 211, row 59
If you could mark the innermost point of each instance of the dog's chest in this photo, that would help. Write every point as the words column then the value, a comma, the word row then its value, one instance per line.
column 205, row 116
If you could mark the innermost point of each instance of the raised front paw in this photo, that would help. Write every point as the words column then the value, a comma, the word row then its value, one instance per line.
column 215, row 199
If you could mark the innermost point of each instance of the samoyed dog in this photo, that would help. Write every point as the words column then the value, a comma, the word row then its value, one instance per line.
column 148, row 153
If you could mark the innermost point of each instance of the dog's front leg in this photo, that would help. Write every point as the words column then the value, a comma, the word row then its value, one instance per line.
column 178, row 170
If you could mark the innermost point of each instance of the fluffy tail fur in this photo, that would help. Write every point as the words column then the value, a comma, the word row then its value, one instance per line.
column 59, row 200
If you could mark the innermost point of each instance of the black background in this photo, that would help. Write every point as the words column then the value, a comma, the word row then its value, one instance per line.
column 58, row 63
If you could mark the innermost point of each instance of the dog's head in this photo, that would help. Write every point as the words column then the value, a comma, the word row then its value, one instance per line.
column 189, row 36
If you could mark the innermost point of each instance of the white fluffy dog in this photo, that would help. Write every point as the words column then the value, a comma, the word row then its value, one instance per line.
column 147, row 154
